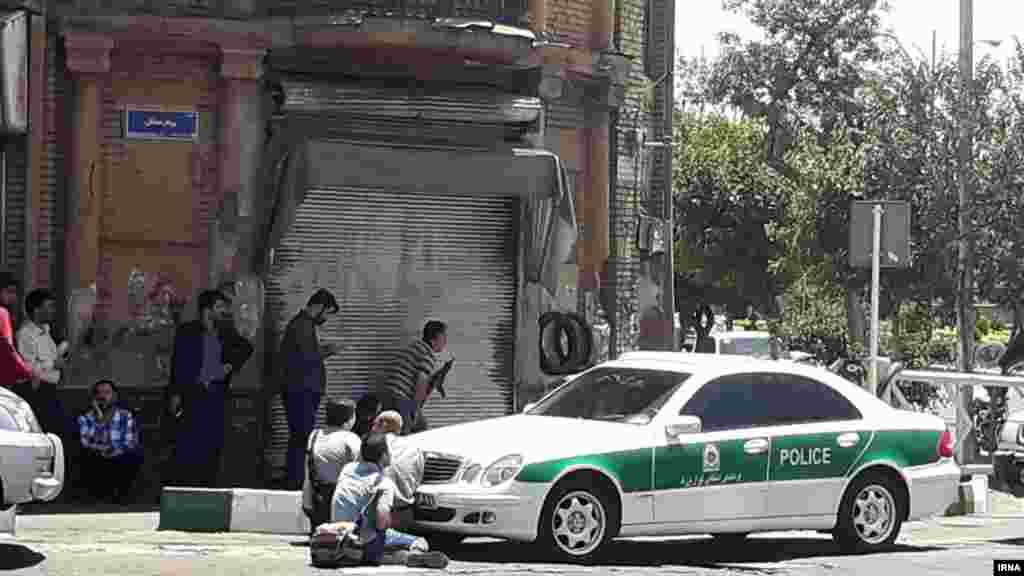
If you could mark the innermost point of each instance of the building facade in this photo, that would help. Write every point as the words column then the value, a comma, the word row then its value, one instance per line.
column 483, row 162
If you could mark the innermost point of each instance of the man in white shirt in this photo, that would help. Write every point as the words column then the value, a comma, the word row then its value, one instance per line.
column 37, row 346
column 35, row 343
column 327, row 452
column 405, row 469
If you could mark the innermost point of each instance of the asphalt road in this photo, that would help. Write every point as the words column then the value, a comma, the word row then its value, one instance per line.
column 128, row 545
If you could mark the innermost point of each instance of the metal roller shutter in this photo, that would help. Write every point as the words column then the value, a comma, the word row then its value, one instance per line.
column 395, row 260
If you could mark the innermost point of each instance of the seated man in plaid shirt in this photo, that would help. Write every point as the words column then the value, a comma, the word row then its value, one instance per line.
column 110, row 445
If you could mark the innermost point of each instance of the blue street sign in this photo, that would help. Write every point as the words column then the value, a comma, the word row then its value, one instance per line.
column 161, row 125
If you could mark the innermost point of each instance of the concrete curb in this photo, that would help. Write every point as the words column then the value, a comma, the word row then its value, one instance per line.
column 195, row 509
column 267, row 512
column 974, row 498
column 232, row 510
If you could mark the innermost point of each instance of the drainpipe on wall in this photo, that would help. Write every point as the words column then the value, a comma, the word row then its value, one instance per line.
column 613, row 182
column 538, row 11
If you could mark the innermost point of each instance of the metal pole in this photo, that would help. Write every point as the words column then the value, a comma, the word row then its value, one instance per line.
column 668, row 109
column 933, row 51
column 965, row 259
column 876, row 269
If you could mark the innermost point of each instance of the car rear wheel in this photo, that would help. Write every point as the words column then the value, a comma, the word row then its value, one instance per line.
column 578, row 519
column 871, row 514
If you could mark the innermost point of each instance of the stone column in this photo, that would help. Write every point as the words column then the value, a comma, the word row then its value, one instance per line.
column 240, row 143
column 88, row 60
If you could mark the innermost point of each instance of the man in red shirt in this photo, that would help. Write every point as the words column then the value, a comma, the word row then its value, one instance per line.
column 13, row 368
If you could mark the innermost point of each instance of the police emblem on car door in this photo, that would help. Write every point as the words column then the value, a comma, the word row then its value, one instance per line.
column 712, row 460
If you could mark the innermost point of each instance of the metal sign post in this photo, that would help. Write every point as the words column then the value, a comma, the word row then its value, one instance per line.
column 879, row 238
column 876, row 265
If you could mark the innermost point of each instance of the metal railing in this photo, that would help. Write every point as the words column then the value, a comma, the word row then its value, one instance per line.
column 952, row 381
column 509, row 12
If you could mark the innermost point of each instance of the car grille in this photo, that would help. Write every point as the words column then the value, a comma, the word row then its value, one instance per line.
column 440, row 468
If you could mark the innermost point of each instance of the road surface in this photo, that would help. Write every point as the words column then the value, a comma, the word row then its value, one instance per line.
column 129, row 545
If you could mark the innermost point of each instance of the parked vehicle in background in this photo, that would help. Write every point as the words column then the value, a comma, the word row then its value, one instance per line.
column 31, row 461
column 755, row 344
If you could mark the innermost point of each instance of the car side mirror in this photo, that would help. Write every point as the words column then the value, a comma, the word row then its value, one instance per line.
column 682, row 425
column 529, row 407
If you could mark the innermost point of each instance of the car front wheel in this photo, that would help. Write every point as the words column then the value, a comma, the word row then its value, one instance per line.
column 577, row 521
column 870, row 515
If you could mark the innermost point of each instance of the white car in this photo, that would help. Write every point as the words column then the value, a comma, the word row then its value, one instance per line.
column 661, row 443
column 31, row 462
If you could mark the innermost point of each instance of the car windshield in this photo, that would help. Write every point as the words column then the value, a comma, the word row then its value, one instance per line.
column 630, row 395
column 749, row 346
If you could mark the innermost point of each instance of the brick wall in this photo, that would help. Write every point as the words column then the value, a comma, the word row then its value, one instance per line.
column 623, row 265
column 568, row 21
column 176, row 244
column 52, row 172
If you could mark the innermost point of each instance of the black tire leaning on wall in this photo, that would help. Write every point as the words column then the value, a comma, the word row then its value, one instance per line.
column 579, row 340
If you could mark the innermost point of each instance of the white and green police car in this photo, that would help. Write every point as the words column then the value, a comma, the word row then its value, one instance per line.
column 660, row 443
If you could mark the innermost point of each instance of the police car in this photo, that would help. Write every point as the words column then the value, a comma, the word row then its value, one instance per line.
column 661, row 443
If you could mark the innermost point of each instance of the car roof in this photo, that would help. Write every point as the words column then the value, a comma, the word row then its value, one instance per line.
column 690, row 361
column 713, row 365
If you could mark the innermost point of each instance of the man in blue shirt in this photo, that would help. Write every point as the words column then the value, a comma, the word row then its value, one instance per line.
column 207, row 353
column 357, row 485
column 110, row 445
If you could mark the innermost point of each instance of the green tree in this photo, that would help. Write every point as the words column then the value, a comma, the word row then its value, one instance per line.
column 803, row 79
column 813, row 304
column 726, row 196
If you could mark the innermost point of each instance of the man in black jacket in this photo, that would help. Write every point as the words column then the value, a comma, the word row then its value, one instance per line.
column 302, row 376
column 207, row 352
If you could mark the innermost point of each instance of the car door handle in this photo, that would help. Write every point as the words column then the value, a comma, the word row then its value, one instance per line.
column 848, row 440
column 756, row 446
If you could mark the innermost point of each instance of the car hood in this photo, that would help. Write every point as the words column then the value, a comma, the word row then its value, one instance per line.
column 536, row 438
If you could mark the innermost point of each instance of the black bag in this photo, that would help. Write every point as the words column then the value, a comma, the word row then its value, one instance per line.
column 336, row 549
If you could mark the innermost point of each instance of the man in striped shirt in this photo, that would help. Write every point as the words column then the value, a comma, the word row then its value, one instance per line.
column 404, row 385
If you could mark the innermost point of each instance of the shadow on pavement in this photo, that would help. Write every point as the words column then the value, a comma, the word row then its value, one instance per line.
column 703, row 553
column 16, row 557
column 59, row 507
column 1009, row 541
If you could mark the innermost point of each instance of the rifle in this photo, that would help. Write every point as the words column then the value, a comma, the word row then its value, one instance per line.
column 437, row 380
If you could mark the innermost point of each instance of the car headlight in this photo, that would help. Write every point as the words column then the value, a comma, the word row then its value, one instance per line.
column 503, row 470
column 472, row 473
column 33, row 423
column 22, row 417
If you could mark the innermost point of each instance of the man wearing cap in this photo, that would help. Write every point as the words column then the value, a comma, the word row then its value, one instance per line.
column 302, row 377
column 328, row 451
